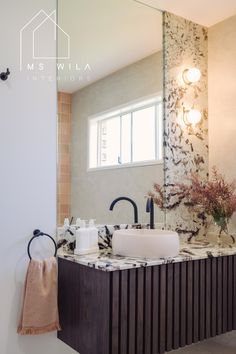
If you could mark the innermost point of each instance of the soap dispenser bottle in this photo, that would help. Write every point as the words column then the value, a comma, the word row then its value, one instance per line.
column 77, row 223
column 82, row 239
column 93, row 235
column 66, row 223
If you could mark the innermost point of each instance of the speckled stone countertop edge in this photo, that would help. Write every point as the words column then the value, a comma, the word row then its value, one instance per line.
column 106, row 261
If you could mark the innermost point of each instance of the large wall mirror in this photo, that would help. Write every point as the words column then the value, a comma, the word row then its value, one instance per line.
column 110, row 114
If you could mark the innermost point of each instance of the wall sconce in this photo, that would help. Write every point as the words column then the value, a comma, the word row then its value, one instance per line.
column 192, row 116
column 190, row 76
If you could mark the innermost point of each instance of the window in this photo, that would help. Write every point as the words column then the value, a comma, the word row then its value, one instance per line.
column 131, row 135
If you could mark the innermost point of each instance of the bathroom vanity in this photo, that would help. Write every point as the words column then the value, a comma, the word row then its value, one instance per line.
column 132, row 127
column 119, row 305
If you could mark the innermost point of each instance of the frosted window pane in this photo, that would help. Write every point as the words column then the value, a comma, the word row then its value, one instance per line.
column 144, row 134
column 126, row 139
column 110, row 142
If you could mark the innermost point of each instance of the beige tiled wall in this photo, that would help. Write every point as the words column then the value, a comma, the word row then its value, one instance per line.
column 64, row 156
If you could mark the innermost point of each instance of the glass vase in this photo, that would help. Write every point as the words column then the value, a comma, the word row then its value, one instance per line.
column 224, row 238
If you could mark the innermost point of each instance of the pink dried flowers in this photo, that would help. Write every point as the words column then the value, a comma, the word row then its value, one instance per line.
column 215, row 196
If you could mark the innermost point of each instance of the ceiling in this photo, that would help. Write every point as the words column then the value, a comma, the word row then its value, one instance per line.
column 106, row 34
column 204, row 12
column 111, row 34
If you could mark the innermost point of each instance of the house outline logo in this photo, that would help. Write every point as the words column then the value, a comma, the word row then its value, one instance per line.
column 51, row 16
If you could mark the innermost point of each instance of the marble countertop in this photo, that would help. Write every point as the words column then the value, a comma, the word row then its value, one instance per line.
column 106, row 261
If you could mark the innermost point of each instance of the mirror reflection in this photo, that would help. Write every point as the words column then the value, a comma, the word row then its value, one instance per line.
column 110, row 116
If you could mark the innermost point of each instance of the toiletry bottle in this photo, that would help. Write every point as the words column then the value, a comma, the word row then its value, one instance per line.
column 93, row 235
column 77, row 223
column 66, row 222
column 82, row 239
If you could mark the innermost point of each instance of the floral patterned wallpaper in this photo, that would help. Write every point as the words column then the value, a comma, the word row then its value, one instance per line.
column 186, row 147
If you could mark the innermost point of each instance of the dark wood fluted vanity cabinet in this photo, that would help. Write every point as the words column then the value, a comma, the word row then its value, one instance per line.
column 146, row 310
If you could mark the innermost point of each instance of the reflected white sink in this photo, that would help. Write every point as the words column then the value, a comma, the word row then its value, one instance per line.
column 145, row 243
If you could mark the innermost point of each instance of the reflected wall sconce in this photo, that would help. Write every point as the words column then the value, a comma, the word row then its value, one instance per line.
column 191, row 76
column 192, row 116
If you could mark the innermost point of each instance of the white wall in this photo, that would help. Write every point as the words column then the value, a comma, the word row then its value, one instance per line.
column 27, row 176
column 92, row 192
column 222, row 97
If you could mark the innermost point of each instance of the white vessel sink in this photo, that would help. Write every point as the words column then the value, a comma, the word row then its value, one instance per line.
column 145, row 243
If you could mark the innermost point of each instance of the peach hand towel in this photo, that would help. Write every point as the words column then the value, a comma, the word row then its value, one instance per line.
column 40, row 310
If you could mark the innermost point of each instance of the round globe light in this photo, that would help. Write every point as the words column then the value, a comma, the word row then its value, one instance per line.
column 192, row 75
column 193, row 116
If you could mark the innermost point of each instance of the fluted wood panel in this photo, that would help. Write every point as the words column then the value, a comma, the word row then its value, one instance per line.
column 177, row 304
column 214, row 297
column 147, row 310
column 196, row 294
column 189, row 337
column 219, row 296
column 230, row 293
column 169, row 306
column 155, row 309
column 84, row 308
column 176, row 307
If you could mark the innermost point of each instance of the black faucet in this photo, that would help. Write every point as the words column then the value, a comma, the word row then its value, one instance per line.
column 128, row 200
column 150, row 209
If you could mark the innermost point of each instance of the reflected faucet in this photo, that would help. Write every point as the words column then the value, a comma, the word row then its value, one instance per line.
column 150, row 209
column 128, row 200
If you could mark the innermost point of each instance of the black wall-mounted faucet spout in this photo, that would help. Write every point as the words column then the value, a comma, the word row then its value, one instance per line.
column 150, row 209
column 128, row 200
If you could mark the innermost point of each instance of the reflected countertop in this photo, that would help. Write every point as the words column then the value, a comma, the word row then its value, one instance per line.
column 106, row 261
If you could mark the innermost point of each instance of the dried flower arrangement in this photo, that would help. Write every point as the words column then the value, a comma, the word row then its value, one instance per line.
column 215, row 196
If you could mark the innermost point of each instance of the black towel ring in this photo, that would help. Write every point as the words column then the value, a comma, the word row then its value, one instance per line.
column 4, row 75
column 36, row 234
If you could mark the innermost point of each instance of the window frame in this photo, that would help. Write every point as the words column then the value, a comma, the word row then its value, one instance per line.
column 119, row 111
